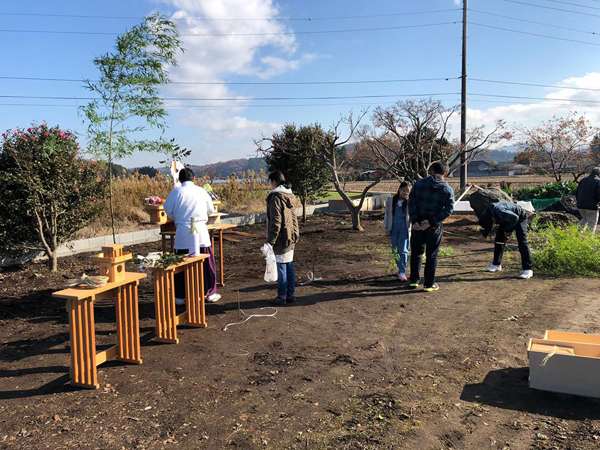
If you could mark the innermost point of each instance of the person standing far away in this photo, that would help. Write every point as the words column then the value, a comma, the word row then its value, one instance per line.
column 397, row 225
column 588, row 199
column 283, row 234
column 509, row 217
column 189, row 207
column 431, row 201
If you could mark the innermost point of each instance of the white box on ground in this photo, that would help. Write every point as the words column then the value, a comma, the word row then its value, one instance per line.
column 568, row 363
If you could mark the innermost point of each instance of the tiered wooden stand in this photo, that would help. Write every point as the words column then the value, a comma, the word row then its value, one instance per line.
column 123, row 287
column 157, row 214
column 164, row 294
column 215, row 228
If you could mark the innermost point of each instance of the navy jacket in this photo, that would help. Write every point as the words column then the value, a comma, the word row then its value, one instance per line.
column 588, row 193
column 430, row 199
column 505, row 214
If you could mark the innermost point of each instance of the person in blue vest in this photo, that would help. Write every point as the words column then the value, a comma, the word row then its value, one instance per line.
column 397, row 226
column 509, row 217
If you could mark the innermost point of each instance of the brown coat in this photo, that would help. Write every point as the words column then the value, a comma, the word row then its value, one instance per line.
column 282, row 224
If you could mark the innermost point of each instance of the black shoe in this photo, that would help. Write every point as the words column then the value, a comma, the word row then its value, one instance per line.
column 291, row 300
column 280, row 301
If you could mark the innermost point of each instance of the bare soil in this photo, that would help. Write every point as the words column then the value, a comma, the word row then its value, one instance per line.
column 359, row 363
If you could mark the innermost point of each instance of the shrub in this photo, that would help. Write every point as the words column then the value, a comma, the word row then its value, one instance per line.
column 566, row 251
column 47, row 192
column 545, row 191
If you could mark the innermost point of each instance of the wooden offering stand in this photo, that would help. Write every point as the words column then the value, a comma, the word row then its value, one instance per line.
column 123, row 287
column 157, row 214
column 164, row 294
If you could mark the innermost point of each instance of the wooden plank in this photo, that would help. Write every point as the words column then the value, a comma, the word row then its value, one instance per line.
column 78, row 294
column 107, row 355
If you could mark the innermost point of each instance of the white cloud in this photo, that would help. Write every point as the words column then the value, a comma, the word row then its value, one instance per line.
column 218, row 58
column 533, row 113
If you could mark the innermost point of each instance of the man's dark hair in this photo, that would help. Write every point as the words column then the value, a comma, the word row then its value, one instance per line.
column 279, row 178
column 186, row 175
column 439, row 168
column 596, row 171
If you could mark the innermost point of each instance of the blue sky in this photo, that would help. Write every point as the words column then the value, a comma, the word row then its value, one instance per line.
column 226, row 132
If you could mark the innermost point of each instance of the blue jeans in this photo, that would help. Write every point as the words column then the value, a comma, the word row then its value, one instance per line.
column 286, row 280
column 400, row 248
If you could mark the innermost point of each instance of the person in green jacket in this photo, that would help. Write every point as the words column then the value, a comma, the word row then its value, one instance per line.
column 282, row 234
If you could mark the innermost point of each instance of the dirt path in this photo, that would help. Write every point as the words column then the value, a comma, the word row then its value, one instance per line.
column 360, row 363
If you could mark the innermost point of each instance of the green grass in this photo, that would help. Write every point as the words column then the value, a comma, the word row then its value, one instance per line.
column 566, row 251
column 334, row 195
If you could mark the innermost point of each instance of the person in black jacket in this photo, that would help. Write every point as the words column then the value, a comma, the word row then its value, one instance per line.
column 431, row 201
column 509, row 217
column 588, row 199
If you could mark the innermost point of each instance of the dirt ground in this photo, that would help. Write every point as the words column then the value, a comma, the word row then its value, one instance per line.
column 359, row 363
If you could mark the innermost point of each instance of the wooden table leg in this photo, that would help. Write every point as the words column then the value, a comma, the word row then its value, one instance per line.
column 164, row 304
column 83, row 343
column 128, row 324
column 221, row 257
column 164, row 243
column 194, row 283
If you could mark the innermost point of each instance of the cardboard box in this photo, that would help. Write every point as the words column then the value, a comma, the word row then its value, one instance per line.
column 568, row 363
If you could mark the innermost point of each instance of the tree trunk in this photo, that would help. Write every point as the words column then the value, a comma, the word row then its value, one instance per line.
column 304, row 201
column 110, row 197
column 355, row 213
column 53, row 261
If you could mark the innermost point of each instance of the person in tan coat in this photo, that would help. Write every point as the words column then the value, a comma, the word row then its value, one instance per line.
column 282, row 234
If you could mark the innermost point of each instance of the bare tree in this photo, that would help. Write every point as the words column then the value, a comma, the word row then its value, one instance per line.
column 559, row 146
column 412, row 135
column 329, row 152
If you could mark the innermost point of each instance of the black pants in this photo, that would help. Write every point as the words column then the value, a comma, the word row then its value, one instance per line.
column 521, row 233
column 428, row 242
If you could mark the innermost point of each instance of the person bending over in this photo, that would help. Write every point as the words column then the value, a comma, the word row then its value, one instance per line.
column 189, row 207
column 509, row 217
column 431, row 201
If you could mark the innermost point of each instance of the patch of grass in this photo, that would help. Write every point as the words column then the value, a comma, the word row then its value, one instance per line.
column 445, row 250
column 566, row 251
column 334, row 195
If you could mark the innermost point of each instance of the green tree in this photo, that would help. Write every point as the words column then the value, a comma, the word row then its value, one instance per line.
column 291, row 153
column 48, row 193
column 128, row 89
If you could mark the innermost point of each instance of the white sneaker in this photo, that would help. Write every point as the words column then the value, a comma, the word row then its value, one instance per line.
column 494, row 268
column 180, row 301
column 213, row 298
column 526, row 275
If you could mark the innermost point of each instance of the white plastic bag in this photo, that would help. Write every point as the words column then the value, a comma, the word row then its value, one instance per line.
column 271, row 269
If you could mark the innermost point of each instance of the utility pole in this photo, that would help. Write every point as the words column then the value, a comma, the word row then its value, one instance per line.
column 463, row 101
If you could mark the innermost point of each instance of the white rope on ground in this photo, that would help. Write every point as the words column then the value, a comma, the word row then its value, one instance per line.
column 250, row 316
column 311, row 278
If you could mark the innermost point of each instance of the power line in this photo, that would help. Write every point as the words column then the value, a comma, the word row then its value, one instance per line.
column 535, row 34
column 537, row 98
column 574, row 4
column 552, row 8
column 244, row 99
column 205, row 19
column 251, row 83
column 534, row 22
column 533, row 84
column 283, row 33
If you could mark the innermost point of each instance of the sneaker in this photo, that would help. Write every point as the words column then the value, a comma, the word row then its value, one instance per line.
column 402, row 277
column 494, row 268
column 526, row 275
column 413, row 285
column 433, row 287
column 291, row 299
column 180, row 301
column 280, row 301
column 213, row 298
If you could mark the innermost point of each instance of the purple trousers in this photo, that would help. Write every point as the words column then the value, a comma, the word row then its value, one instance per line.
column 210, row 274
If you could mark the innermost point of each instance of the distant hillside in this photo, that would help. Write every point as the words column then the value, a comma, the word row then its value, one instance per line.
column 504, row 154
column 225, row 168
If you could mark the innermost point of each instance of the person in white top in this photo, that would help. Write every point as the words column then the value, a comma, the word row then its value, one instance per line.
column 189, row 207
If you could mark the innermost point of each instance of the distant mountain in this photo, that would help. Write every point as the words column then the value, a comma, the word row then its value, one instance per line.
column 224, row 169
column 504, row 154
